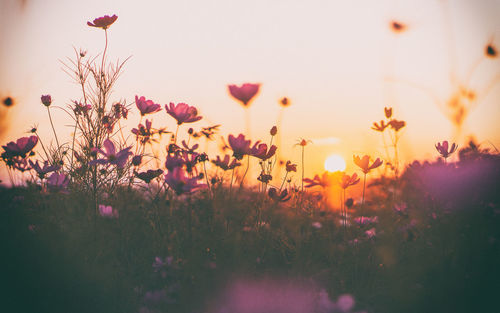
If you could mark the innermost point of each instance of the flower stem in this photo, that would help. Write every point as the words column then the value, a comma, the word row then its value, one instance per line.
column 53, row 129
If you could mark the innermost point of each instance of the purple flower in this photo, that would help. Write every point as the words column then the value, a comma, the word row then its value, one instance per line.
column 173, row 161
column 244, row 93
column 239, row 145
column 111, row 156
column 21, row 147
column 58, row 182
column 42, row 171
column 146, row 106
column 180, row 183
column 108, row 211
column 149, row 175
column 183, row 113
column 260, row 151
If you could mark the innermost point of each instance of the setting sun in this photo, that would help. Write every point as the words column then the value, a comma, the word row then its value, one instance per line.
column 334, row 163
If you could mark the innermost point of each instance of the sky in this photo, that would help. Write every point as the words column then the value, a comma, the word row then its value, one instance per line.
column 337, row 61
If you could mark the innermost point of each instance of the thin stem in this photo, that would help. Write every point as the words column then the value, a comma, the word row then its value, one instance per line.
column 176, row 131
column 104, row 53
column 364, row 186
column 302, row 169
column 73, row 143
column 53, row 129
column 246, row 171
column 283, row 182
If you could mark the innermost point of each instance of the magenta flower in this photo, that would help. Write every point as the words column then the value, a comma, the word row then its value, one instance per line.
column 42, row 171
column 183, row 113
column 111, row 156
column 244, row 93
column 21, row 147
column 225, row 164
column 108, row 211
column 371, row 232
column 146, row 106
column 260, row 151
column 442, row 148
column 149, row 175
column 239, row 145
column 180, row 183
column 81, row 108
column 103, row 22
column 58, row 182
column 46, row 100
column 20, row 164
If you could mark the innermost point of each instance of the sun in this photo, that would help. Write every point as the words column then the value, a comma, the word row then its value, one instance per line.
column 334, row 163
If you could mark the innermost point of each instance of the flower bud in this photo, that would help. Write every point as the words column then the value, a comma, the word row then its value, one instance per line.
column 46, row 100
column 274, row 131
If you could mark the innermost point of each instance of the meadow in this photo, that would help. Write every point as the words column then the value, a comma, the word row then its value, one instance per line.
column 151, row 222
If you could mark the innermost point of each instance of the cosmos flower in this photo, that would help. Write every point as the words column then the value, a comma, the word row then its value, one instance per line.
column 244, row 93
column 284, row 102
column 282, row 196
column 442, row 148
column 46, row 100
column 173, row 161
column 323, row 181
column 273, row 131
column 42, row 171
column 388, row 112
column 397, row 125
column 111, row 156
column 107, row 211
column 225, row 164
column 381, row 127
column 58, row 182
column 149, row 175
column 290, row 167
column 260, row 151
column 21, row 147
column 103, row 22
column 363, row 163
column 346, row 180
column 180, row 183
column 81, row 108
column 239, row 145
column 146, row 106
column 183, row 113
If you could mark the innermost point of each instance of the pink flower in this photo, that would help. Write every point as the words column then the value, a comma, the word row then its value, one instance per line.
column 108, row 211
column 146, row 106
column 371, row 233
column 316, row 225
column 58, row 182
column 103, row 22
column 442, row 148
column 239, row 145
column 260, row 151
column 111, row 156
column 81, row 108
column 183, row 113
column 277, row 196
column 225, row 164
column 180, row 183
column 21, row 147
column 244, row 93
column 363, row 163
column 42, row 171
column 46, row 100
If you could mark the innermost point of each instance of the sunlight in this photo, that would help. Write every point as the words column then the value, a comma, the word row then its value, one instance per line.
column 334, row 163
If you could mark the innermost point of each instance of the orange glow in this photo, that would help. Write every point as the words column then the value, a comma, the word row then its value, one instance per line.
column 335, row 163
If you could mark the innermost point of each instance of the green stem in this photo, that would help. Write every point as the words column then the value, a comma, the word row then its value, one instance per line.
column 53, row 129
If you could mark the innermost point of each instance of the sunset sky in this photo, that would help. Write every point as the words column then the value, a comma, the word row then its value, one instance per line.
column 337, row 61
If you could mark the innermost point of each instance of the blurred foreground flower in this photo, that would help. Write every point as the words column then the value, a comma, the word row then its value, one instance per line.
column 42, row 171
column 363, row 163
column 20, row 148
column 108, row 211
column 225, row 164
column 149, row 175
column 58, row 182
column 347, row 181
column 277, row 196
column 103, row 22
column 239, row 145
column 180, row 183
column 244, row 93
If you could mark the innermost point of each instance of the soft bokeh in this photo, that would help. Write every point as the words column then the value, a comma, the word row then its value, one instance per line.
column 338, row 62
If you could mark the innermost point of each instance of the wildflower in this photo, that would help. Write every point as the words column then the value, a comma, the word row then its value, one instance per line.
column 260, row 151
column 397, row 125
column 58, row 182
column 103, row 22
column 46, row 100
column 120, row 110
column 277, row 196
column 108, row 121
column 371, row 232
column 225, row 164
column 442, row 148
column 81, row 108
column 363, row 163
column 107, row 211
column 363, row 220
column 180, row 183
column 491, row 51
column 265, row 178
column 244, row 93
column 239, row 145
column 209, row 132
column 303, row 142
column 111, row 156
column 290, row 167
column 136, row 160
column 381, row 127
column 388, row 112
column 20, row 164
column 173, row 161
column 273, row 131
column 190, row 160
column 323, row 181
column 149, row 175
column 190, row 149
column 284, row 102
column 146, row 106
column 42, row 171
column 21, row 147
column 143, row 132
column 183, row 113
column 346, row 180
